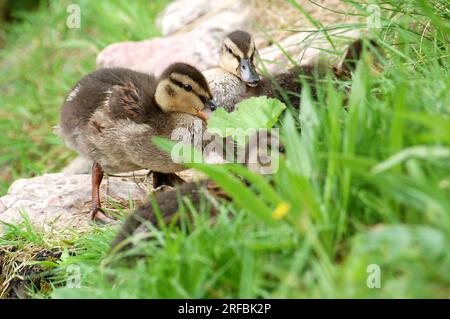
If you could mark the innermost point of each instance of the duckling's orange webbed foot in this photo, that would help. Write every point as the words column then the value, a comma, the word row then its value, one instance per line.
column 97, row 214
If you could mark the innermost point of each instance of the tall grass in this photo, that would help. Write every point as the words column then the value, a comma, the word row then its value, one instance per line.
column 367, row 181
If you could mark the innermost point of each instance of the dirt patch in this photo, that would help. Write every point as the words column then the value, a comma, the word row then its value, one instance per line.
column 18, row 274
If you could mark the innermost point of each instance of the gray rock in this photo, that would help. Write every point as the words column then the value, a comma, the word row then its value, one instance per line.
column 155, row 55
column 180, row 13
column 198, row 45
column 79, row 165
column 63, row 200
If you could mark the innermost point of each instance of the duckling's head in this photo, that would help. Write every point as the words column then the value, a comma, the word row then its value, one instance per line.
column 183, row 88
column 237, row 56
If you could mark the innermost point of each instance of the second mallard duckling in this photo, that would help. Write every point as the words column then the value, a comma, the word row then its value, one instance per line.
column 111, row 115
column 287, row 85
column 237, row 72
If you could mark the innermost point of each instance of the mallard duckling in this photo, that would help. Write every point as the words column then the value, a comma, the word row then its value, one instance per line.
column 289, row 82
column 230, row 82
column 111, row 115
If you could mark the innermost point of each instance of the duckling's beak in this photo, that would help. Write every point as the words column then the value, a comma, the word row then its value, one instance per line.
column 202, row 115
column 248, row 72
column 211, row 104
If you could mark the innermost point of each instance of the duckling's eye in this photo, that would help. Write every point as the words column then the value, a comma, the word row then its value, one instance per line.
column 229, row 51
column 187, row 87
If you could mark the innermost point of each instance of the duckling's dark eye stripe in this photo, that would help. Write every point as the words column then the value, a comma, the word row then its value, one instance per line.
column 197, row 88
column 181, row 85
column 232, row 53
column 177, row 83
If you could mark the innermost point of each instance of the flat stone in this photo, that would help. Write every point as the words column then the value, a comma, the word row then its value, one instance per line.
column 62, row 199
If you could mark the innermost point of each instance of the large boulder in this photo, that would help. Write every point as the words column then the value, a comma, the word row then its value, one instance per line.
column 198, row 44
column 178, row 14
column 194, row 31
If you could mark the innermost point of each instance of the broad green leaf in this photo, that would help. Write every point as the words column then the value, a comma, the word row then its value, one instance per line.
column 254, row 113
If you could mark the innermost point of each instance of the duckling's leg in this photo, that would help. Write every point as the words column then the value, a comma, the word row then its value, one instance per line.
column 168, row 179
column 96, row 180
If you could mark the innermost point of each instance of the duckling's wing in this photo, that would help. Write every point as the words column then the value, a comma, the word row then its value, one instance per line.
column 133, row 99
column 125, row 101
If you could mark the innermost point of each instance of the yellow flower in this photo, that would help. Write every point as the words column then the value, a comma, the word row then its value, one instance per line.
column 281, row 210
